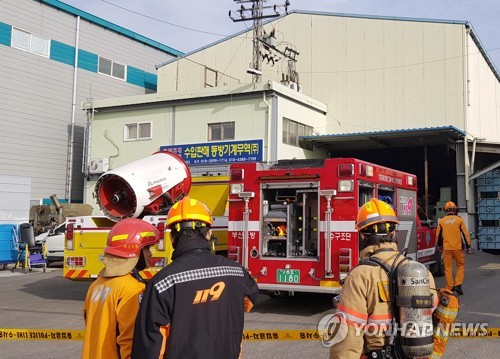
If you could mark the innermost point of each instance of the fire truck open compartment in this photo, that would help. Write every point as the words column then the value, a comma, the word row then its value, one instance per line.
column 290, row 220
column 367, row 191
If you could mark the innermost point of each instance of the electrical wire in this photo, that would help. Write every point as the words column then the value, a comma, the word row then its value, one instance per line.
column 275, row 22
column 163, row 21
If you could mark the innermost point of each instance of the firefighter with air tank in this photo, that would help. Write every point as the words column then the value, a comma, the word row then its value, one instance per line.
column 367, row 303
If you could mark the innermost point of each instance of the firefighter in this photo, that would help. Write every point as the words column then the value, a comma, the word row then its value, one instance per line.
column 112, row 300
column 365, row 302
column 451, row 231
column 194, row 307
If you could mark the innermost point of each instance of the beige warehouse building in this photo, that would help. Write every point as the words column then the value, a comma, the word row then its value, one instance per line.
column 377, row 74
column 414, row 94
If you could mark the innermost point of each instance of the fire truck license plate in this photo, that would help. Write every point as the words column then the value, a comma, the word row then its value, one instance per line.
column 288, row 276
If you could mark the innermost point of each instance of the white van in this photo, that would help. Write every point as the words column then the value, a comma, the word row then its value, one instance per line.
column 54, row 243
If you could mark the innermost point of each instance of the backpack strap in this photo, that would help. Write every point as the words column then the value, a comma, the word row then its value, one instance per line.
column 378, row 262
column 136, row 275
column 374, row 261
column 391, row 274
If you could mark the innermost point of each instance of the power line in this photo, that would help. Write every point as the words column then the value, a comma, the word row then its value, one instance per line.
column 162, row 21
column 257, row 12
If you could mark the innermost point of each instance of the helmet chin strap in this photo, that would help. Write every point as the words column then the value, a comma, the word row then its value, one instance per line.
column 374, row 238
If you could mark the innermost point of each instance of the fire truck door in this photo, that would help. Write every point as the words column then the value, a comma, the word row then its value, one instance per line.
column 407, row 229
column 303, row 225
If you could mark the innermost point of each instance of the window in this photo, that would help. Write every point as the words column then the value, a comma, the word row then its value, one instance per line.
column 210, row 77
column 221, row 131
column 138, row 131
column 111, row 68
column 293, row 130
column 27, row 41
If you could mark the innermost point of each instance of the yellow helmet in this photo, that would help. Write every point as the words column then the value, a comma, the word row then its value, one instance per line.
column 373, row 213
column 188, row 213
column 450, row 207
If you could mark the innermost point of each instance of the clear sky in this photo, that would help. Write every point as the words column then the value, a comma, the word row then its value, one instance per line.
column 189, row 25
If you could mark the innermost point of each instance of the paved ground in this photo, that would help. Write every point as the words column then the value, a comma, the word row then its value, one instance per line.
column 48, row 301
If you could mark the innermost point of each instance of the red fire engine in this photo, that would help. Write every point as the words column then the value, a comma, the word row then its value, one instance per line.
column 292, row 224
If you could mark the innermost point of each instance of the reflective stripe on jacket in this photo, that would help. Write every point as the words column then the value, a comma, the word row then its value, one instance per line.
column 365, row 305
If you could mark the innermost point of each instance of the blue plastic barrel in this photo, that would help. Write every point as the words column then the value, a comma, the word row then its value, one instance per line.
column 8, row 243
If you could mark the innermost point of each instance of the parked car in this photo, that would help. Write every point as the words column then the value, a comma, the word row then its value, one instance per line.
column 54, row 243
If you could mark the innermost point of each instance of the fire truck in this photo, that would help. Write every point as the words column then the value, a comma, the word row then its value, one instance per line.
column 144, row 189
column 292, row 223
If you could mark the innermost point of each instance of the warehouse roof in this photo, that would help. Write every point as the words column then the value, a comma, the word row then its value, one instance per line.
column 390, row 138
column 109, row 25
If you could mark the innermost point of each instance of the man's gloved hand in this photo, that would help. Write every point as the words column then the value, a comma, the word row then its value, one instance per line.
column 469, row 250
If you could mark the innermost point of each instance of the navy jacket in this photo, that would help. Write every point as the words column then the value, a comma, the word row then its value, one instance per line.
column 194, row 307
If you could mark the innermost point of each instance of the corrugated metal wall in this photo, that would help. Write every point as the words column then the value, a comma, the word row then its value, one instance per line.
column 483, row 106
column 373, row 73
column 36, row 92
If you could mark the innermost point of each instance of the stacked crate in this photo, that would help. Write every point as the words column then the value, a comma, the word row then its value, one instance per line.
column 488, row 209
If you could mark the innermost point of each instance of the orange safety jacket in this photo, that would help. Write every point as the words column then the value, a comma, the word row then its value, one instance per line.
column 110, row 309
column 365, row 305
column 449, row 233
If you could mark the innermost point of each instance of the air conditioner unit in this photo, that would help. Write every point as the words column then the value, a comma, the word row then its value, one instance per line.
column 98, row 165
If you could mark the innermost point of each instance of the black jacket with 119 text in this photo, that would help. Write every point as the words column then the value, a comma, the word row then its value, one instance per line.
column 194, row 307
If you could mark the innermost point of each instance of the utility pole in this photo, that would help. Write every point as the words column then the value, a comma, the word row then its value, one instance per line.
column 256, row 13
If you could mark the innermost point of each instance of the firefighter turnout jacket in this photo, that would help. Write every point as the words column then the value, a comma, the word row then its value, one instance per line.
column 194, row 307
column 365, row 304
column 449, row 233
column 110, row 308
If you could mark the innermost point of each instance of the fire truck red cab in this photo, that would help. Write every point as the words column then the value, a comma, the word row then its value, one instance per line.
column 292, row 224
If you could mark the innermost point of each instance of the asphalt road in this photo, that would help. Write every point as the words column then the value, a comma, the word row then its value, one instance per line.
column 48, row 301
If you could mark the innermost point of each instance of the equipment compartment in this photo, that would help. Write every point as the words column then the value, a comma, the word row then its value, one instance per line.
column 290, row 221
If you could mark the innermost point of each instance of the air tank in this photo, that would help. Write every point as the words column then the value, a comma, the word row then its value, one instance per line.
column 415, row 318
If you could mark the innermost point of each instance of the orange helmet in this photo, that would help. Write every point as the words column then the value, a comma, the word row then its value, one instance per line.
column 188, row 213
column 375, row 212
column 450, row 207
column 129, row 236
